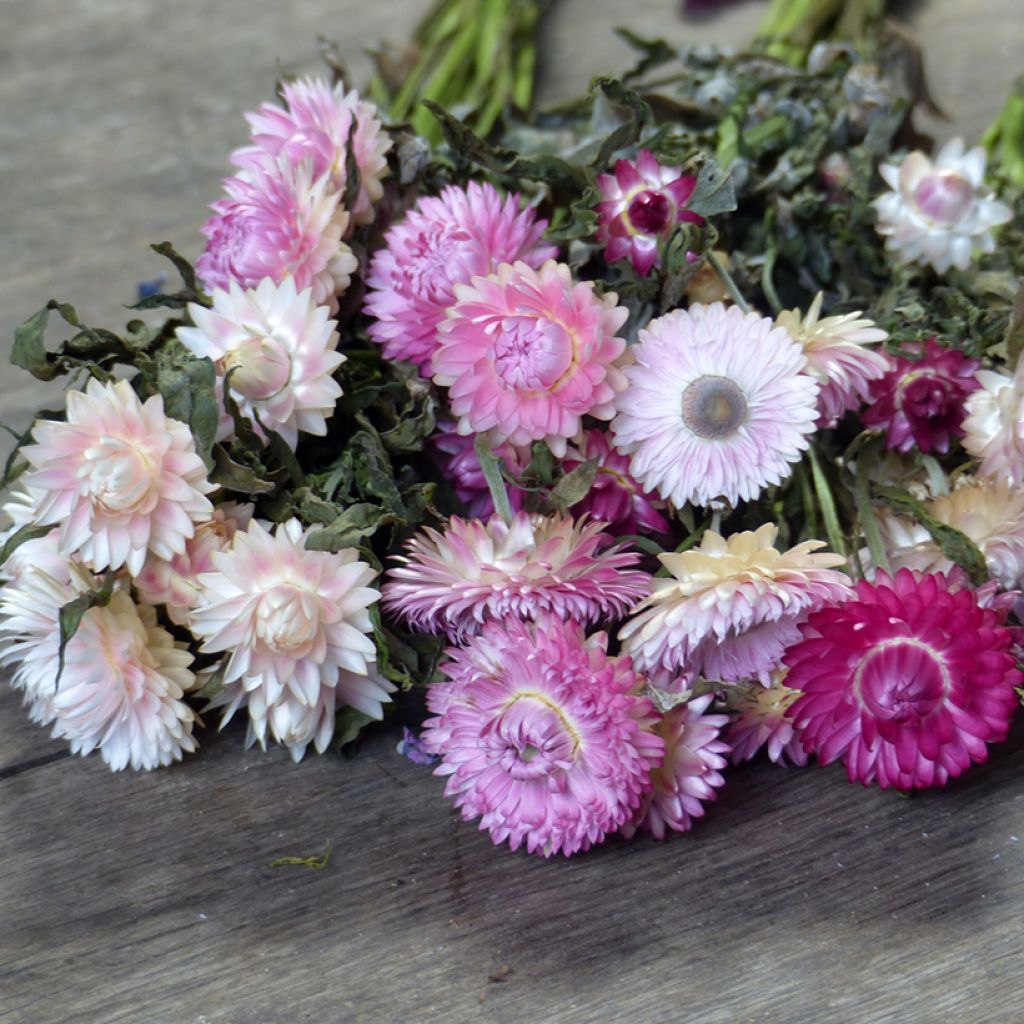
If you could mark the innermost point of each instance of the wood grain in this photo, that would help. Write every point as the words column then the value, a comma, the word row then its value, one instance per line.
column 147, row 899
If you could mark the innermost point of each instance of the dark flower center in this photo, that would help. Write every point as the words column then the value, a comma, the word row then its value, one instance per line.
column 714, row 407
column 650, row 212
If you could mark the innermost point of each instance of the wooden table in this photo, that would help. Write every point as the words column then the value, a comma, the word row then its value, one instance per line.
column 147, row 899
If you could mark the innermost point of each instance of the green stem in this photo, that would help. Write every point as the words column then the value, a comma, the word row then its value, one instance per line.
column 727, row 280
column 827, row 503
column 866, row 515
column 491, row 466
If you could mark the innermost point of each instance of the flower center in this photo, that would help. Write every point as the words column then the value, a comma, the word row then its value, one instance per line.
column 901, row 680
column 119, row 475
column 650, row 212
column 944, row 197
column 714, row 407
column 531, row 353
column 262, row 367
column 287, row 619
column 531, row 738
column 437, row 255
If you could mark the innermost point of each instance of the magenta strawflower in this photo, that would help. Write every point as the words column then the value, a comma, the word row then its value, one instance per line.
column 920, row 402
column 315, row 124
column 690, row 773
column 640, row 205
column 454, row 581
column 906, row 682
column 528, row 353
column 761, row 718
column 443, row 241
column 456, row 455
column 542, row 735
column 614, row 497
column 278, row 222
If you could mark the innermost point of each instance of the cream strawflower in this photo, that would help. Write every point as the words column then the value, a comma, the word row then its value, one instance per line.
column 837, row 356
column 994, row 425
column 294, row 621
column 119, row 476
column 278, row 347
column 939, row 210
column 123, row 680
column 733, row 606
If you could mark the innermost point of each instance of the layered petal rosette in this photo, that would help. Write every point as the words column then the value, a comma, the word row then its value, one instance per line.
column 640, row 205
column 732, row 606
column 542, row 735
column 907, row 682
column 454, row 581
column 123, row 678
column 293, row 623
column 690, row 773
column 939, row 210
column 761, row 719
column 119, row 477
column 443, row 241
column 837, row 356
column 528, row 353
column 277, row 349
column 278, row 222
column 718, row 406
column 994, row 425
column 323, row 124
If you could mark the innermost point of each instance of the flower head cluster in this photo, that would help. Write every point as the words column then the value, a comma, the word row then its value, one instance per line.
column 454, row 581
column 717, row 405
column 732, row 606
column 837, row 356
column 907, row 682
column 920, row 402
column 938, row 211
column 444, row 240
column 542, row 735
column 640, row 205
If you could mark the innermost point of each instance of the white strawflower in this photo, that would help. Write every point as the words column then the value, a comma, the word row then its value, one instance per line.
column 939, row 210
column 278, row 347
column 994, row 425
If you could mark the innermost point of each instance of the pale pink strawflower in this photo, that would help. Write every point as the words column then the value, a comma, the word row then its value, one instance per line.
column 994, row 425
column 455, row 580
column 443, row 241
column 641, row 204
column 279, row 348
column 689, row 775
column 526, row 354
column 119, row 477
column 315, row 124
column 42, row 552
column 732, row 605
column 292, row 621
column 278, row 222
column 542, row 736
column 175, row 583
column 939, row 211
column 761, row 720
column 460, row 465
column 615, row 497
column 123, row 680
column 837, row 356
column 907, row 682
column 717, row 407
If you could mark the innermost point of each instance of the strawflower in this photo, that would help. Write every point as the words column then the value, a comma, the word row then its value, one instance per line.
column 459, row 464
column 994, row 425
column 761, row 719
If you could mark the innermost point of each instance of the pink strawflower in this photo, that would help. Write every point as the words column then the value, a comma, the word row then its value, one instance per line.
column 542, row 736
column 761, row 718
column 717, row 407
column 640, row 205
column 690, row 773
column 906, row 682
column 615, row 497
column 279, row 348
column 528, row 353
column 294, row 622
column 731, row 606
column 459, row 465
column 278, row 222
column 315, row 125
column 443, row 241
column 454, row 581
column 920, row 402
column 124, row 676
column 174, row 583
column 42, row 553
column 119, row 477
column 837, row 356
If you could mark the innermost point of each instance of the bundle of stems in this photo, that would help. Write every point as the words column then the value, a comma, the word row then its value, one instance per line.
column 790, row 28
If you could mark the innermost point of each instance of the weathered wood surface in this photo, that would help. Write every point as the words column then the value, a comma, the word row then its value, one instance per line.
column 148, row 900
